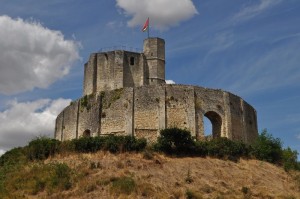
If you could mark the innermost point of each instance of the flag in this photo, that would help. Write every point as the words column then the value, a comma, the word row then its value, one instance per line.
column 146, row 25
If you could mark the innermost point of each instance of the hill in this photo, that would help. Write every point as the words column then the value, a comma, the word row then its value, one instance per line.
column 148, row 175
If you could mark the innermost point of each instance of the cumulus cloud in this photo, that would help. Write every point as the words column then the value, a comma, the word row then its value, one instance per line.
column 32, row 55
column 162, row 13
column 170, row 82
column 22, row 121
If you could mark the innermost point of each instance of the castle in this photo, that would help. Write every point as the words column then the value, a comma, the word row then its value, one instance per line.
column 125, row 94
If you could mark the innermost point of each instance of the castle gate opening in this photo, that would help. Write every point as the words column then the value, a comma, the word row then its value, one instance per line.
column 87, row 133
column 216, row 122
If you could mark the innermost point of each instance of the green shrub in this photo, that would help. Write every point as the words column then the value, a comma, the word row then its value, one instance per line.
column 62, row 177
column 42, row 147
column 110, row 143
column 224, row 148
column 13, row 157
column 200, row 148
column 289, row 159
column 175, row 140
column 267, row 148
column 192, row 195
column 89, row 144
column 123, row 185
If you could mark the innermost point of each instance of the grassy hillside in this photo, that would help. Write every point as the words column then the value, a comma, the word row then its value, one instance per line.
column 147, row 175
column 125, row 167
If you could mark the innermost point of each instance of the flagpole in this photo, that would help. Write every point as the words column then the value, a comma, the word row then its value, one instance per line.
column 148, row 30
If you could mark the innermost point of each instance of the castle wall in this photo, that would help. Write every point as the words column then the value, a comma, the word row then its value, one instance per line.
column 144, row 111
column 88, row 115
column 133, row 69
column 70, row 121
column 180, row 108
column 116, row 115
column 89, row 82
column 110, row 67
column 149, row 111
column 210, row 103
column 249, row 119
column 59, row 126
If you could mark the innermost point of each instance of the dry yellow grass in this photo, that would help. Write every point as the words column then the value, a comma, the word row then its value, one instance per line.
column 165, row 177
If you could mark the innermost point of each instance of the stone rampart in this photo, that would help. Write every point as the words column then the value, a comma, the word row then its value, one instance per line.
column 143, row 111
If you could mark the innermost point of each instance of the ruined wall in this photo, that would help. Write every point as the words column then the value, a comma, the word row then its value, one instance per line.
column 70, row 121
column 180, row 108
column 133, row 69
column 110, row 70
column 89, row 82
column 88, row 115
column 144, row 111
column 149, row 111
column 116, row 115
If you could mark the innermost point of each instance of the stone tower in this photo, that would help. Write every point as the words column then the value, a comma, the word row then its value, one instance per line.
column 154, row 51
column 118, row 69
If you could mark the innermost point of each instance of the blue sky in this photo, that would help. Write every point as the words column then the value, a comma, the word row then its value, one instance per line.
column 250, row 48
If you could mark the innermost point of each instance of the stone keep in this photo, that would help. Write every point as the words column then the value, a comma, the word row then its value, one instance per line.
column 125, row 94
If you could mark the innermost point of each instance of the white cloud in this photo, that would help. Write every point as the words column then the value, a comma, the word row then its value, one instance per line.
column 32, row 55
column 162, row 13
column 2, row 152
column 170, row 82
column 22, row 121
column 254, row 10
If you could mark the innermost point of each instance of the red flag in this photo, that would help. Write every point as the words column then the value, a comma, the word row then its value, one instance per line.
column 146, row 25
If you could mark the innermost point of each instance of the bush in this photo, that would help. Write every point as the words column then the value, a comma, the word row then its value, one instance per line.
column 225, row 148
column 110, row 143
column 88, row 144
column 200, row 148
column 123, row 185
column 13, row 157
column 42, row 147
column 175, row 140
column 61, row 178
column 267, row 148
column 289, row 159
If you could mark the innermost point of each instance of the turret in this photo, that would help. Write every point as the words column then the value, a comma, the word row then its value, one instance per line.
column 154, row 51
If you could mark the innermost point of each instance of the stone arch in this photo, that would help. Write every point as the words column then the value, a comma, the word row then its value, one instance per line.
column 216, row 121
column 87, row 133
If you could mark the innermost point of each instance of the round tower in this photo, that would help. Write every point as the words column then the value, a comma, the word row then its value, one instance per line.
column 154, row 51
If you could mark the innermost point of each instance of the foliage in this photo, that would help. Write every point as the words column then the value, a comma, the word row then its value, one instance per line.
column 42, row 147
column 88, row 144
column 123, row 185
column 13, row 157
column 267, row 148
column 224, row 148
column 174, row 140
column 110, row 143
column 192, row 195
column 289, row 158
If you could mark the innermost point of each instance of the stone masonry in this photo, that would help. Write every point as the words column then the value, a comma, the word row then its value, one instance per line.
column 125, row 94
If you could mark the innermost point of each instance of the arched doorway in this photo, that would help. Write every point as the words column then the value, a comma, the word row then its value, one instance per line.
column 87, row 133
column 216, row 124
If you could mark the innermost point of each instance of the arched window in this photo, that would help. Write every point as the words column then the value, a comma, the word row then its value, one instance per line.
column 87, row 133
column 216, row 124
